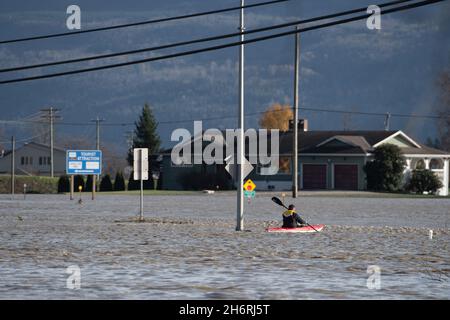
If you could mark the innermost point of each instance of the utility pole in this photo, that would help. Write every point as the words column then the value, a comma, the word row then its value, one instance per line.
column 387, row 121
column 295, row 129
column 94, row 177
column 240, row 143
column 13, row 165
column 97, row 121
column 51, row 116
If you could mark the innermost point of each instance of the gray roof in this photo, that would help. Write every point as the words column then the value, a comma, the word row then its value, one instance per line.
column 37, row 144
column 424, row 150
column 354, row 142
column 348, row 142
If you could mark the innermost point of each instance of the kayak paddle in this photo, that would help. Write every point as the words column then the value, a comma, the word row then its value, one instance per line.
column 280, row 203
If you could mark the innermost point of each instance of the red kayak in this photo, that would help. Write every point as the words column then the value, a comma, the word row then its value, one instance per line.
column 318, row 227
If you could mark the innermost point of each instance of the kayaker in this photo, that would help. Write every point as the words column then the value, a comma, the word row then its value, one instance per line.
column 291, row 219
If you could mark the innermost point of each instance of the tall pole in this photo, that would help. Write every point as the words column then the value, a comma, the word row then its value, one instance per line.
column 97, row 122
column 141, row 214
column 295, row 129
column 51, row 143
column 241, row 146
column 13, row 165
column 97, row 145
column 51, row 115
column 72, row 186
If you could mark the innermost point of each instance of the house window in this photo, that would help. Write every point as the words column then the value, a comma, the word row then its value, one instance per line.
column 40, row 161
column 22, row 160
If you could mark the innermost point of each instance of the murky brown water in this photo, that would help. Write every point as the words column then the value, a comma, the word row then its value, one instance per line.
column 188, row 249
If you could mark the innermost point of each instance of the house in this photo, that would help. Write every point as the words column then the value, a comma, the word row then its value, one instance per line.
column 327, row 160
column 334, row 160
column 34, row 159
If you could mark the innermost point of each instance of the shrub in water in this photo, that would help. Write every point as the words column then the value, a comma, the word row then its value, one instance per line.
column 424, row 181
column 63, row 184
column 119, row 182
column 106, row 184
column 79, row 181
column 385, row 172
column 133, row 184
column 88, row 187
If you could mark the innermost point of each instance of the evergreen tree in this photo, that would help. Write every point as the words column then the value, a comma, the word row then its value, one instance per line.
column 385, row 172
column 119, row 182
column 424, row 180
column 145, row 134
column 106, row 184
column 88, row 187
column 133, row 184
column 79, row 181
column 63, row 184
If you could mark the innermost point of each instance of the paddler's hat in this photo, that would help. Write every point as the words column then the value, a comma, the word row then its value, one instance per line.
column 291, row 207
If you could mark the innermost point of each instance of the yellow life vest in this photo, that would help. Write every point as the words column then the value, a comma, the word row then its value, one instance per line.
column 288, row 213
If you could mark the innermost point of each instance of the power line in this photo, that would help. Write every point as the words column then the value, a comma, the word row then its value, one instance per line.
column 223, row 46
column 134, row 24
column 25, row 139
column 200, row 40
column 124, row 124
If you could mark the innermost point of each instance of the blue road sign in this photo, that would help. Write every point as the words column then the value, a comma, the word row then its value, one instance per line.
column 84, row 162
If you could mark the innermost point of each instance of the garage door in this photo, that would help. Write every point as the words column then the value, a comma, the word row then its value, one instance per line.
column 346, row 176
column 314, row 176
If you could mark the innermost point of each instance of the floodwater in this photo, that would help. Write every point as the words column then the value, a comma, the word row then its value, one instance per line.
column 188, row 249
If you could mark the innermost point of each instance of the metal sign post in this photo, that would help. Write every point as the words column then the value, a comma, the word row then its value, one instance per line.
column 72, row 186
column 140, row 167
column 241, row 142
column 13, row 166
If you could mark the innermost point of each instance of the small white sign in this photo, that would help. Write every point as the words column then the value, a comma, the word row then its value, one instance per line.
column 92, row 165
column 140, row 163
column 76, row 165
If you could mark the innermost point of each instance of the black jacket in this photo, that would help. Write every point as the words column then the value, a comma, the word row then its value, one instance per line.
column 292, row 220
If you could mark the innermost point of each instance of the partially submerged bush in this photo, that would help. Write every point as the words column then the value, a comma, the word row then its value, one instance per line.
column 119, row 182
column 424, row 181
column 385, row 172
column 88, row 186
column 106, row 184
column 79, row 181
column 63, row 184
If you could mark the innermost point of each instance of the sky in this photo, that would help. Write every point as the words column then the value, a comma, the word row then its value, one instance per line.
column 345, row 67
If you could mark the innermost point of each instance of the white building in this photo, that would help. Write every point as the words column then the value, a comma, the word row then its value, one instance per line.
column 34, row 159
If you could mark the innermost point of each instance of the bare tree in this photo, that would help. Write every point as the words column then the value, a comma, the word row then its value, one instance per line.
column 41, row 132
column 113, row 159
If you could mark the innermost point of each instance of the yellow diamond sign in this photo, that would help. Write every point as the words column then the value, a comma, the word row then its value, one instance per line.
column 249, row 185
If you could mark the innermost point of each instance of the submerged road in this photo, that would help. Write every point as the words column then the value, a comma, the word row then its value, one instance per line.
column 188, row 249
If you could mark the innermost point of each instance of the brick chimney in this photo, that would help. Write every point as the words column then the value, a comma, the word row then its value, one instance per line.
column 302, row 125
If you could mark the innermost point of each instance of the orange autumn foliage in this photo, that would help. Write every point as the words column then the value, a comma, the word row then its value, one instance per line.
column 277, row 116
